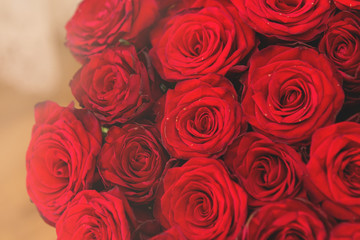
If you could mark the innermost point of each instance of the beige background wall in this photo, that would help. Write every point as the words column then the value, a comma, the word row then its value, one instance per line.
column 34, row 66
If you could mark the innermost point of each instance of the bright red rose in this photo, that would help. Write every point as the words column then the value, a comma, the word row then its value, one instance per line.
column 346, row 231
column 94, row 215
column 114, row 85
column 288, row 20
column 268, row 171
column 60, row 160
column 288, row 219
column 133, row 158
column 290, row 92
column 99, row 24
column 334, row 169
column 347, row 4
column 209, row 38
column 201, row 117
column 341, row 43
column 202, row 201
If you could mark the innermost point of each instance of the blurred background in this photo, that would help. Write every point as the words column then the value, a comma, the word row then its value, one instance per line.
column 35, row 66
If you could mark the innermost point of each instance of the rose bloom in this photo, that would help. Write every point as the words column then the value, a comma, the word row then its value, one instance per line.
column 98, row 24
column 268, row 171
column 133, row 158
column 346, row 231
column 60, row 160
column 288, row 20
column 347, row 4
column 201, row 117
column 334, row 169
column 115, row 85
column 209, row 38
column 94, row 215
column 341, row 43
column 287, row 219
column 202, row 201
column 290, row 92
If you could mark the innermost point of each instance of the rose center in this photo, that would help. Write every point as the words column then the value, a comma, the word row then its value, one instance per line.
column 352, row 172
column 61, row 169
column 290, row 96
column 203, row 121
column 285, row 5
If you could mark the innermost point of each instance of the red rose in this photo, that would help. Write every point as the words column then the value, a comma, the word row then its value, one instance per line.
column 133, row 159
column 290, row 92
column 209, row 38
column 114, row 85
column 93, row 215
column 99, row 24
column 334, row 169
column 202, row 201
column 268, row 171
column 347, row 4
column 346, row 231
column 201, row 117
column 341, row 43
column 288, row 20
column 60, row 160
column 288, row 219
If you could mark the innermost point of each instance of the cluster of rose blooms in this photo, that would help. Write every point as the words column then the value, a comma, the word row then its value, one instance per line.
column 205, row 119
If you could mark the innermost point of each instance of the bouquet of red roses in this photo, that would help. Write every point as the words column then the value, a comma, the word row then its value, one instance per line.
column 205, row 119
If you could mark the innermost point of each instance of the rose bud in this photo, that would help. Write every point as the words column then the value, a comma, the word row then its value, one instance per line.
column 201, row 117
column 99, row 24
column 291, row 92
column 61, row 157
column 334, row 170
column 202, row 201
column 287, row 219
column 268, row 171
column 287, row 20
column 115, row 85
column 133, row 159
column 208, row 38
column 94, row 215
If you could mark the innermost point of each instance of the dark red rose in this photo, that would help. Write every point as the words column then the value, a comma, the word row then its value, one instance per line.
column 341, row 43
column 60, row 160
column 334, row 169
column 201, row 117
column 288, row 20
column 268, row 171
column 290, row 92
column 287, row 219
column 94, row 215
column 202, row 201
column 346, row 231
column 115, row 85
column 347, row 4
column 99, row 24
column 133, row 159
column 209, row 38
